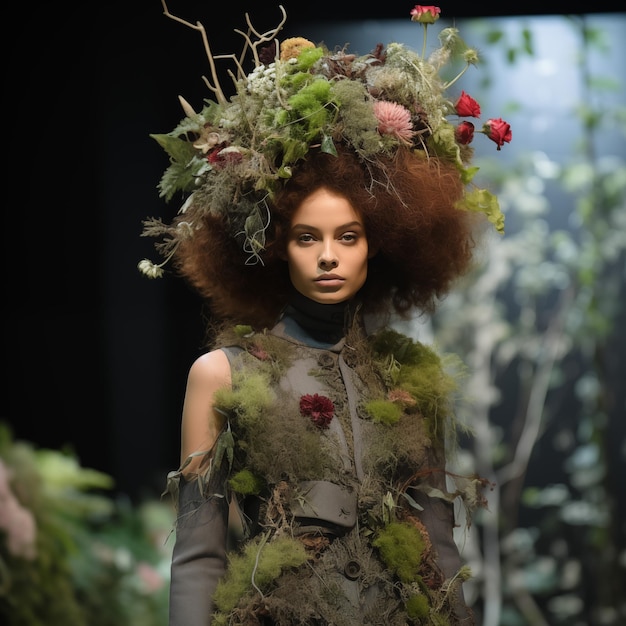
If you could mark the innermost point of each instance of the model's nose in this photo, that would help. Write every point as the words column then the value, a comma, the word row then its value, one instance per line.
column 328, row 259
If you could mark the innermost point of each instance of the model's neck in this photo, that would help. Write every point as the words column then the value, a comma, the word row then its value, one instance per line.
column 326, row 322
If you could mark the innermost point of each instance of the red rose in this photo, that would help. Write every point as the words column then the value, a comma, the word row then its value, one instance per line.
column 319, row 408
column 464, row 133
column 466, row 106
column 425, row 14
column 498, row 130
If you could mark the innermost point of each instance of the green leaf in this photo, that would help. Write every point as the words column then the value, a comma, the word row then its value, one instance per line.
column 328, row 145
column 484, row 201
column 179, row 150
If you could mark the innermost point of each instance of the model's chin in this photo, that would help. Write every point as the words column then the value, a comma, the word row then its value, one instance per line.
column 330, row 297
column 327, row 292
column 330, row 300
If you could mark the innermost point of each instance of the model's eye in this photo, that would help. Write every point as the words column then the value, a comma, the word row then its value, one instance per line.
column 306, row 238
column 349, row 237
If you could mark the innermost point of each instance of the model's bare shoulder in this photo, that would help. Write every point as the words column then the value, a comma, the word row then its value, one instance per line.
column 211, row 368
column 201, row 423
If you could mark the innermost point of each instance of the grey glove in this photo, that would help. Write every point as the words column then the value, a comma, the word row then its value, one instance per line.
column 199, row 555
column 438, row 518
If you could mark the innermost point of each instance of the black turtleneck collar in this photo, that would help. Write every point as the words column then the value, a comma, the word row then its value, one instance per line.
column 326, row 323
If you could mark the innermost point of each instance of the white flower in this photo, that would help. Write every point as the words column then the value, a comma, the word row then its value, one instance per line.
column 150, row 269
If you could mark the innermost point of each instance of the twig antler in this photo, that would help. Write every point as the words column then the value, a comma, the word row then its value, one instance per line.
column 214, row 83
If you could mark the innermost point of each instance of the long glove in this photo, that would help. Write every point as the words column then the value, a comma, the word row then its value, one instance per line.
column 199, row 555
column 438, row 518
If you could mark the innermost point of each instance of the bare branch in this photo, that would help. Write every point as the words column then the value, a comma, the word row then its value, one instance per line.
column 238, row 63
column 216, row 88
column 539, row 390
column 261, row 37
column 214, row 84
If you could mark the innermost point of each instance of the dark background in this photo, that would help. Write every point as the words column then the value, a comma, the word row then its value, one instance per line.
column 96, row 355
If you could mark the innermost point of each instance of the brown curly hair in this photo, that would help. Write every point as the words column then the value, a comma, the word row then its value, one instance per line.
column 422, row 242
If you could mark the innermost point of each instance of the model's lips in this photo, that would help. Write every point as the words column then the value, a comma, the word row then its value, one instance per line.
column 329, row 277
column 330, row 280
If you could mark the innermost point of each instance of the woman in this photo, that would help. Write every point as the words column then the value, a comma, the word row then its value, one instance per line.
column 312, row 488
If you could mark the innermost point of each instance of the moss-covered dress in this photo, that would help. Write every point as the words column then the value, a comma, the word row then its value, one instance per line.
column 333, row 456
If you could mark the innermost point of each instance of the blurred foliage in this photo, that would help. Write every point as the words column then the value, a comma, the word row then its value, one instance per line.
column 539, row 325
column 70, row 554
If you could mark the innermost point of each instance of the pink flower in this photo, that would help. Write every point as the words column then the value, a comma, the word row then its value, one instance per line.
column 319, row 408
column 464, row 133
column 425, row 14
column 466, row 106
column 258, row 352
column 150, row 578
column 393, row 119
column 498, row 130
column 17, row 523
column 402, row 397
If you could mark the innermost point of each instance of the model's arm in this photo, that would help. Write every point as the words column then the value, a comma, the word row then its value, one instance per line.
column 199, row 555
column 201, row 424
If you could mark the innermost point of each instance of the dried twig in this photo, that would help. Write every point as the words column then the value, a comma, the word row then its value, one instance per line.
column 213, row 83
column 262, row 37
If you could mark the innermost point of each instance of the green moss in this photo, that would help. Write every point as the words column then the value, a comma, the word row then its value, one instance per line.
column 417, row 606
column 308, row 57
column 246, row 483
column 384, row 411
column 358, row 122
column 260, row 563
column 432, row 390
column 401, row 546
column 242, row 330
column 419, row 370
column 403, row 348
column 295, row 82
column 309, row 110
column 271, row 438
column 249, row 397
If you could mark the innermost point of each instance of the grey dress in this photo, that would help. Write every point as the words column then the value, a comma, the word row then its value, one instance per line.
column 338, row 482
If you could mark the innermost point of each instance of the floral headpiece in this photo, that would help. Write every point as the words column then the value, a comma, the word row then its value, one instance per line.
column 235, row 153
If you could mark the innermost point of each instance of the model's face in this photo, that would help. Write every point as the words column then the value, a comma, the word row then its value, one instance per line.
column 327, row 249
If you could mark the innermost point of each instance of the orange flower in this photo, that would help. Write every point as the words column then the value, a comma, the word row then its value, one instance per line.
column 292, row 47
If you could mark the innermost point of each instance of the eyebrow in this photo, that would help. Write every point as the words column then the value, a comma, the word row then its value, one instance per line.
column 347, row 226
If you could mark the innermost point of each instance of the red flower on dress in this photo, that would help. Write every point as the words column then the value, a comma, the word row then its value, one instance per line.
column 466, row 106
column 464, row 133
column 320, row 409
column 498, row 130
